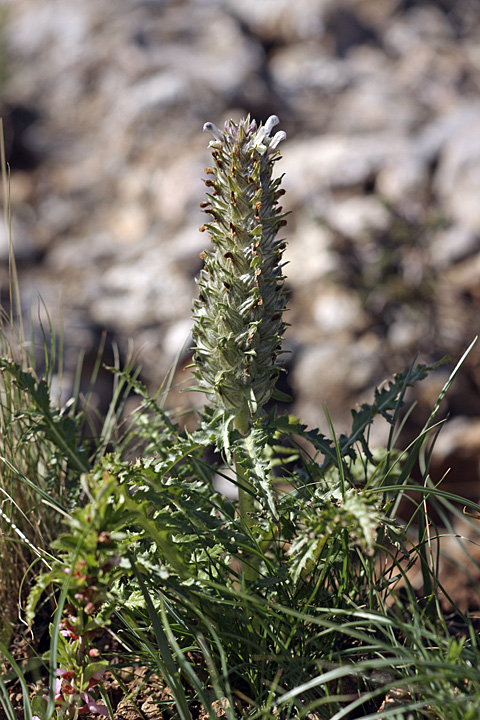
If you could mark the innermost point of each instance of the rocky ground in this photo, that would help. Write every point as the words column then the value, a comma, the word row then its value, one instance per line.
column 103, row 106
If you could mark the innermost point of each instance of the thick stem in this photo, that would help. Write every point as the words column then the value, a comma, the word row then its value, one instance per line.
column 246, row 500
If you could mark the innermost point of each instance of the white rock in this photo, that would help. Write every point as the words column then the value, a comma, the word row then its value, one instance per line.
column 457, row 180
column 405, row 332
column 327, row 372
column 308, row 254
column 141, row 291
column 452, row 245
column 358, row 216
column 420, row 26
column 176, row 339
column 302, row 67
column 404, row 182
column 375, row 99
column 314, row 165
column 290, row 20
column 336, row 309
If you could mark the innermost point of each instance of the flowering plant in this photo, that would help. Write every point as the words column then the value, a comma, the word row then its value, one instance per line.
column 238, row 317
column 87, row 565
column 279, row 605
column 239, row 313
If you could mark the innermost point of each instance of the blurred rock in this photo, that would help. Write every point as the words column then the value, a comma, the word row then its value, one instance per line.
column 404, row 182
column 336, row 310
column 306, row 68
column 358, row 216
column 454, row 244
column 308, row 254
column 457, row 180
column 104, row 105
column 318, row 164
column 325, row 374
column 282, row 19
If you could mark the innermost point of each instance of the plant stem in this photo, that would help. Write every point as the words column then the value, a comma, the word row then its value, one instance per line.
column 246, row 499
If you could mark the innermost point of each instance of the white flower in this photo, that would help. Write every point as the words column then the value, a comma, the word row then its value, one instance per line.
column 262, row 141
column 214, row 130
column 277, row 139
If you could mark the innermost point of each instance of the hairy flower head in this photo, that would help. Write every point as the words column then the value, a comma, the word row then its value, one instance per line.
column 238, row 315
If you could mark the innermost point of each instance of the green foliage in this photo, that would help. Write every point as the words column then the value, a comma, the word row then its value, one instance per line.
column 318, row 607
column 155, row 550
column 88, row 562
column 32, row 470
column 46, row 422
column 294, row 601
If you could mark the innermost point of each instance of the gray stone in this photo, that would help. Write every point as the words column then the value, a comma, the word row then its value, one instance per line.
column 282, row 18
column 457, row 180
column 337, row 310
column 308, row 254
column 358, row 216
column 454, row 244
column 108, row 220
column 317, row 164
column 324, row 371
column 302, row 68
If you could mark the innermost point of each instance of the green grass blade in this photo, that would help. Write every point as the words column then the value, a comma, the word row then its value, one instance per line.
column 5, row 702
column 33, row 486
column 21, row 679
column 166, row 664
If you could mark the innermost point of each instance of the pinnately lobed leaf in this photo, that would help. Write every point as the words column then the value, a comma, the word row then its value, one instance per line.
column 238, row 317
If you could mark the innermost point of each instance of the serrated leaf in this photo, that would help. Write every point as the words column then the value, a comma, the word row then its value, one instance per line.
column 94, row 667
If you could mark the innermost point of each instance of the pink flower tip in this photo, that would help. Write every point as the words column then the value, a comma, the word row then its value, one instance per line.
column 92, row 706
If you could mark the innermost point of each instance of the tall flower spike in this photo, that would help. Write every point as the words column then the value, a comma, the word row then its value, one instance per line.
column 238, row 316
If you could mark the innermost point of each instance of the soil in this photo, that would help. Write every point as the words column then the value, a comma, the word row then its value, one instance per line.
column 136, row 693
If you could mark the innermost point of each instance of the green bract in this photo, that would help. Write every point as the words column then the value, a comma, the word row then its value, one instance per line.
column 238, row 315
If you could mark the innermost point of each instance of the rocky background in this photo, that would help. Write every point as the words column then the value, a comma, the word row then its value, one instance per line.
column 103, row 104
